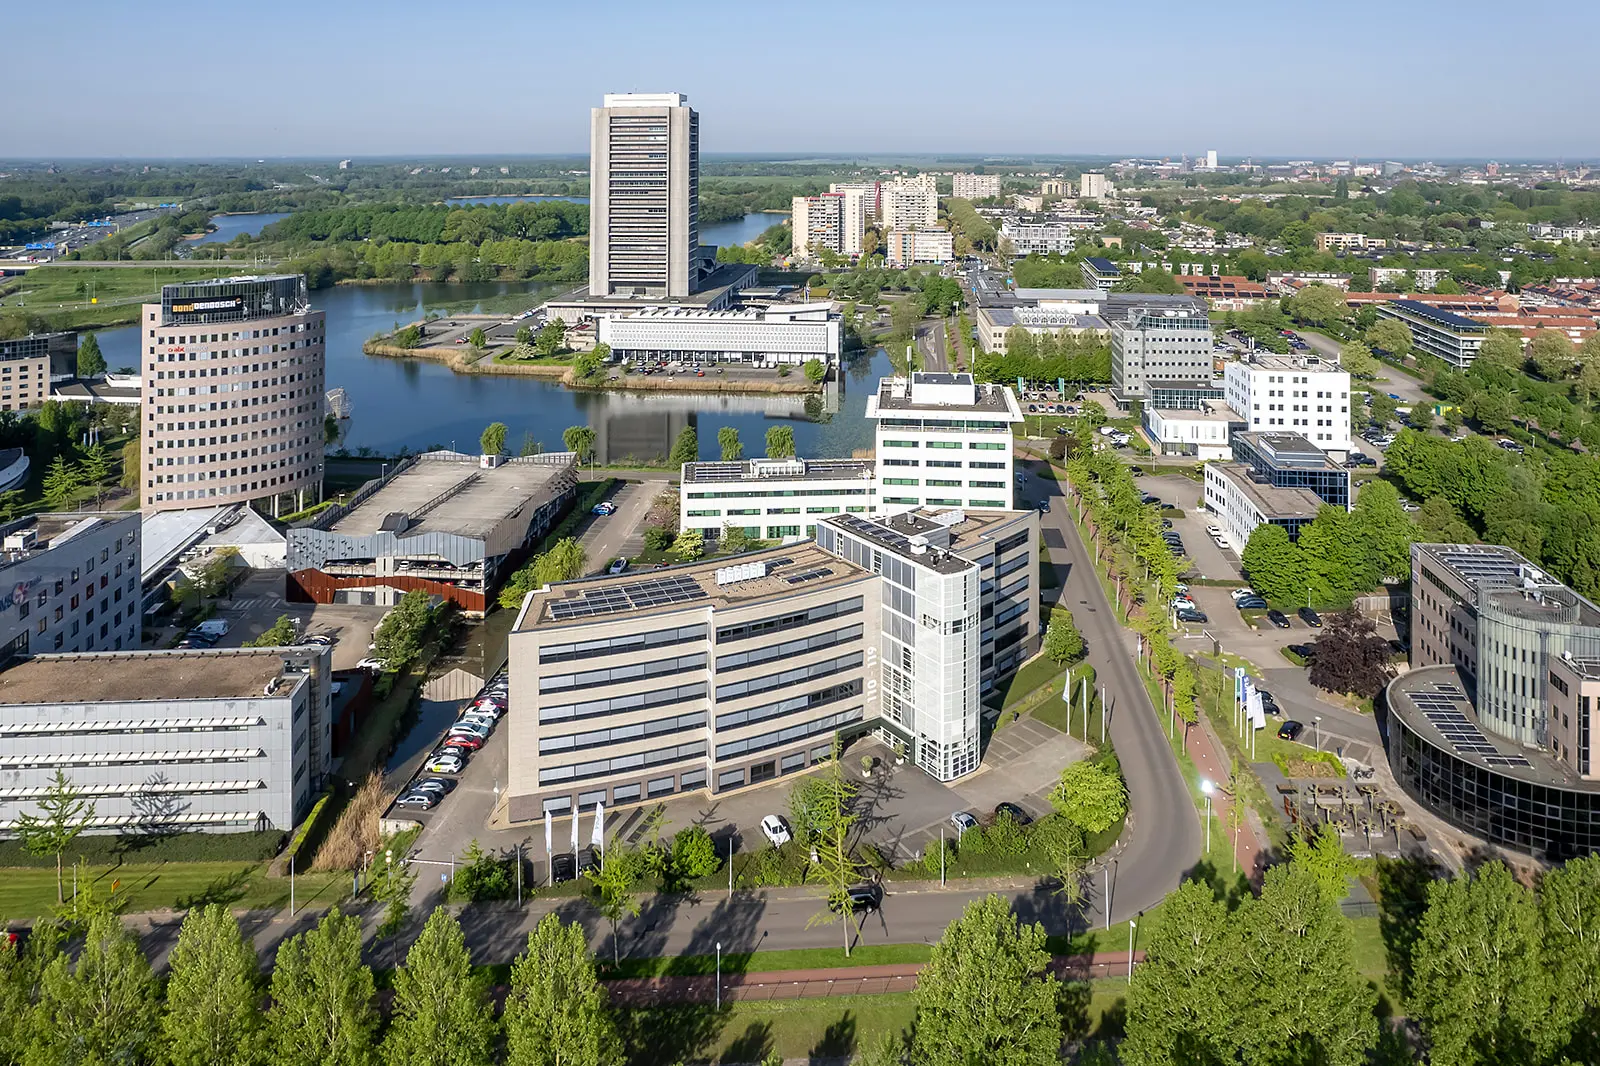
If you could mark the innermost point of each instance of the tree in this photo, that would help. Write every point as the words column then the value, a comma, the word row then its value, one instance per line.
column 565, row 560
column 1062, row 641
column 481, row 876
column 96, row 464
column 493, row 438
column 60, row 481
column 658, row 538
column 1384, row 530
column 322, row 998
column 524, row 335
column 1090, row 795
column 1273, row 564
column 1351, row 657
column 103, row 1008
column 1357, row 360
column 616, row 885
column 1570, row 922
column 21, row 973
column 282, row 633
column 1392, row 335
column 780, row 442
column 1479, row 988
column 1501, row 350
column 552, row 336
column 130, row 465
column 693, row 855
column 398, row 638
column 213, row 1015
column 728, row 441
column 1587, row 387
column 556, row 1013
column 1093, row 414
column 1320, row 854
column 1179, row 1007
column 689, row 545
column 586, row 366
column 815, row 370
column 477, row 338
column 1318, row 305
column 830, row 819
column 579, row 439
column 91, row 364
column 1552, row 354
column 986, row 998
column 442, row 1014
column 686, row 449
column 63, row 815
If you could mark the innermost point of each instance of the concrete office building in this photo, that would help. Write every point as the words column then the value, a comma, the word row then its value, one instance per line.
column 29, row 364
column 1203, row 433
column 943, row 440
column 1454, row 338
column 975, row 186
column 995, row 323
column 1289, row 460
column 1293, row 394
column 220, row 740
column 72, row 584
column 831, row 222
column 710, row 678
column 779, row 335
column 1093, row 186
column 1158, row 343
column 1280, row 478
column 1211, row 159
column 233, row 395
column 450, row 524
column 644, row 196
column 774, row 499
column 905, row 247
column 910, row 203
column 1038, row 238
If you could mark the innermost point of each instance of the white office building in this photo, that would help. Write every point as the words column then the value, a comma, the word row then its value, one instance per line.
column 1093, row 186
column 943, row 440
column 1202, row 433
column 71, row 584
column 1293, row 394
column 1242, row 500
column 1051, row 237
column 975, row 186
column 774, row 499
column 219, row 740
column 784, row 334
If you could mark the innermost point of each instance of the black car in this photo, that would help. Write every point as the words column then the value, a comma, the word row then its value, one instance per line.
column 863, row 898
column 1012, row 811
column 1149, row 498
column 1250, row 603
column 1305, row 651
column 1360, row 459
column 1309, row 617
column 562, row 868
column 1191, row 614
column 1290, row 730
column 1268, row 704
column 1279, row 619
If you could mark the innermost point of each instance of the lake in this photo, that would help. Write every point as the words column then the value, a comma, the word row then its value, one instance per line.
column 404, row 403
column 231, row 226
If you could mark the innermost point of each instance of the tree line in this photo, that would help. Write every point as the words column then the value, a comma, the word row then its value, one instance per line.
column 1075, row 357
column 1339, row 555
column 434, row 223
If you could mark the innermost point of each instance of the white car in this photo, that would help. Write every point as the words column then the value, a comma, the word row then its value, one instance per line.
column 617, row 566
column 483, row 721
column 446, row 764
column 1215, row 531
column 1239, row 594
column 776, row 830
column 472, row 729
column 375, row 665
column 1107, row 431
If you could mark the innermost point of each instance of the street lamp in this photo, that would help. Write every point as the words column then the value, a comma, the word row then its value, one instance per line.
column 1132, row 925
column 1207, row 787
column 1316, row 724
column 719, row 975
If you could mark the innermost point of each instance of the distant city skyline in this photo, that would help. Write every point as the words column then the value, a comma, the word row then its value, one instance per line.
column 499, row 78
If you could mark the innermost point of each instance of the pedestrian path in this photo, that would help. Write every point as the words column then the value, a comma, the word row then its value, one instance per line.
column 824, row 983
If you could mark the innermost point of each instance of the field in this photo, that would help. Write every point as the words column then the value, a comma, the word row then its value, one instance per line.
column 63, row 293
column 28, row 893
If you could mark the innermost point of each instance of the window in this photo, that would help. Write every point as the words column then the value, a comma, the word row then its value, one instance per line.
column 730, row 779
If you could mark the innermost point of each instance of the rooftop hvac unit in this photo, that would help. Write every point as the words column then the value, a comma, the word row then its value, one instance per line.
column 919, row 545
column 22, row 540
column 950, row 518
column 729, row 575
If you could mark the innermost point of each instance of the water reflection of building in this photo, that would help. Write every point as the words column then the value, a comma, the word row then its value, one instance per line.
column 645, row 426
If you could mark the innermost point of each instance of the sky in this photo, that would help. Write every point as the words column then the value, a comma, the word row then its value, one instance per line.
column 1352, row 79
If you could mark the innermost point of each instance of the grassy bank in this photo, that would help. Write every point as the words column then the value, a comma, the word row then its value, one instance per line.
column 63, row 294
column 31, row 892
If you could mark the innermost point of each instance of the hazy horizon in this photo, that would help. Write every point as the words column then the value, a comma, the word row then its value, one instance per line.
column 311, row 81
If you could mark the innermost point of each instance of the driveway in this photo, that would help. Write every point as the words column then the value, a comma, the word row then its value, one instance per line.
column 622, row 533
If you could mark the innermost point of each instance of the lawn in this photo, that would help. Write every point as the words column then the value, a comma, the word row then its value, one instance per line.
column 29, row 893
column 55, row 291
column 768, row 961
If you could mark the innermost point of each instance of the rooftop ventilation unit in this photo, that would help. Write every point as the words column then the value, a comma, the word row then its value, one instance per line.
column 950, row 518
column 919, row 545
column 729, row 575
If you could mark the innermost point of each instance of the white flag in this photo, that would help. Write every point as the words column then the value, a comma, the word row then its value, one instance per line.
column 1258, row 711
column 574, row 832
column 598, row 837
column 547, row 838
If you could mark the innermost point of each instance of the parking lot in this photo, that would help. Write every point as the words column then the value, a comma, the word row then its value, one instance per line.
column 257, row 603
column 1208, row 558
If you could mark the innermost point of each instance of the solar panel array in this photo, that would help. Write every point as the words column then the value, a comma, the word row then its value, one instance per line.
column 1477, row 565
column 635, row 596
column 1442, row 705
column 875, row 533
column 808, row 575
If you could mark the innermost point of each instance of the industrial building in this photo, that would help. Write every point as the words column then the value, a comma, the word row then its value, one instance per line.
column 777, row 335
column 450, row 524
column 713, row 677
column 233, row 395
column 220, row 740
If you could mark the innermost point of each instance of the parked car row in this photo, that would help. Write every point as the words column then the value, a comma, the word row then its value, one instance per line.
column 470, row 732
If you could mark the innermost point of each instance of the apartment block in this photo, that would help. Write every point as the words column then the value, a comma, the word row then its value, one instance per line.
column 909, row 203
column 1434, row 331
column 233, row 395
column 28, row 363
column 72, row 584
column 1347, row 242
column 644, row 196
column 905, row 247
column 1038, row 238
column 943, row 440
column 1293, row 394
column 833, row 222
column 220, row 740
column 1093, row 186
column 713, row 677
column 975, row 186
column 1100, row 273
column 871, row 193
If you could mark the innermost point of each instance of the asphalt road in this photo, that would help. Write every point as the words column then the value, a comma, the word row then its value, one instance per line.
column 1408, row 388
column 607, row 537
column 931, row 345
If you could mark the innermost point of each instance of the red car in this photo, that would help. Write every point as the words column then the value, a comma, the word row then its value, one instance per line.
column 469, row 741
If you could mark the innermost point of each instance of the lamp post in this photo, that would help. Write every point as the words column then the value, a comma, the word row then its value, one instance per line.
column 1316, row 724
column 1207, row 787
column 719, row 975
column 1132, row 925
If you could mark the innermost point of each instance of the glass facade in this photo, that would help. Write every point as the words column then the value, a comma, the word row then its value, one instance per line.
column 1546, row 820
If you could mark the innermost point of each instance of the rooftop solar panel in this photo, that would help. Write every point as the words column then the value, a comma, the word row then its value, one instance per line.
column 609, row 599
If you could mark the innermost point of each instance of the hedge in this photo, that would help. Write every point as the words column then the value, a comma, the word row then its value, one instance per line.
column 314, row 828
column 109, row 849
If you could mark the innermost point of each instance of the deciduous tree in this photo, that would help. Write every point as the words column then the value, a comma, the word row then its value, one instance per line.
column 616, row 885
column 1319, row 305
column 1357, row 360
column 493, row 438
column 686, row 449
column 213, row 1015
column 1091, row 795
column 556, row 1013
column 985, row 997
column 579, row 439
column 1273, row 564
column 728, row 441
column 322, row 998
column 1393, row 336
column 1552, row 354
column 103, row 1007
column 1062, row 641
column 780, row 442
column 442, row 1013
column 1569, row 911
column 1351, row 657
column 63, row 815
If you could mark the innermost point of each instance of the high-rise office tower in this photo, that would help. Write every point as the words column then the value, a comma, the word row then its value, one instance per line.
column 233, row 395
column 644, row 192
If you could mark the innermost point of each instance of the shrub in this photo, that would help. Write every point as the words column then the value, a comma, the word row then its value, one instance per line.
column 658, row 538
column 481, row 876
column 1006, row 837
column 694, row 854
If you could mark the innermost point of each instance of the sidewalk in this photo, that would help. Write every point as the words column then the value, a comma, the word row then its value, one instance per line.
column 836, row 981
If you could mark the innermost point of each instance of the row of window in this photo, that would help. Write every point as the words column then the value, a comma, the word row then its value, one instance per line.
column 622, row 733
column 789, row 648
column 619, row 704
column 947, row 445
column 586, row 649
column 625, row 672
column 767, row 626
column 749, row 715
column 756, row 685
column 787, row 735
column 621, row 763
